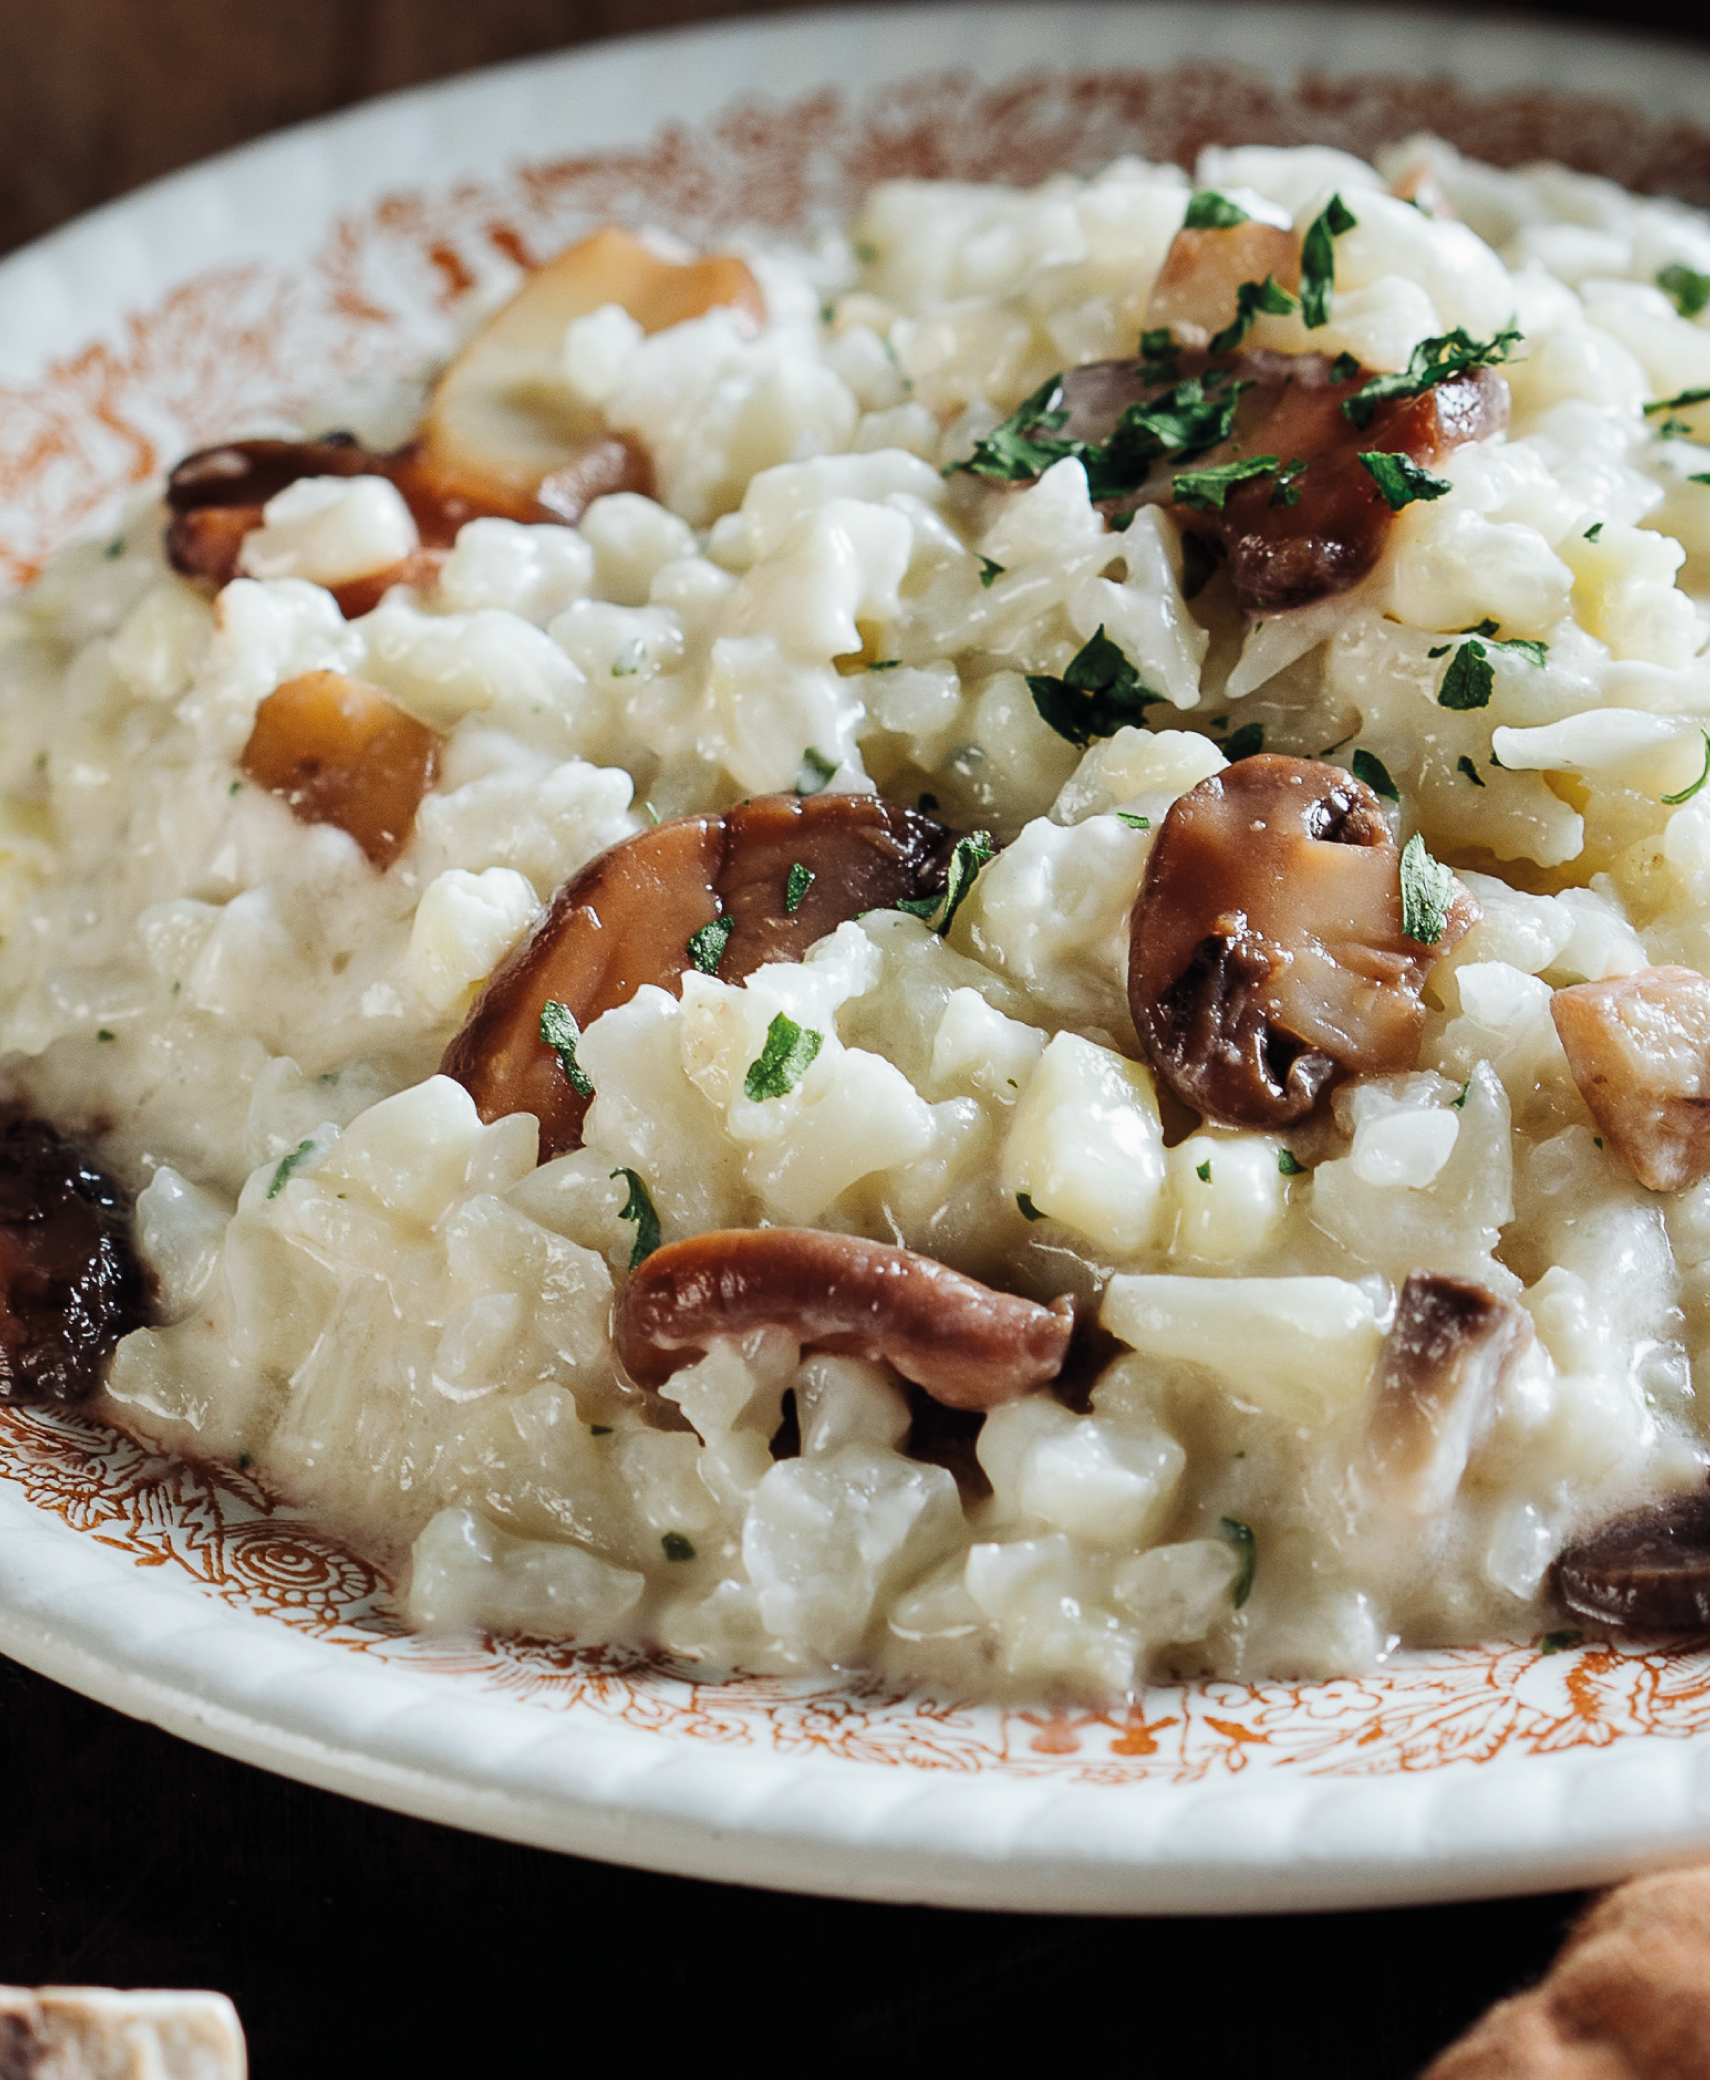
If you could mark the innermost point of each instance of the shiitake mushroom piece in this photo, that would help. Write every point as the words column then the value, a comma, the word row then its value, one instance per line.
column 628, row 917
column 1267, row 960
column 70, row 1281
column 1648, row 1571
column 1638, row 1048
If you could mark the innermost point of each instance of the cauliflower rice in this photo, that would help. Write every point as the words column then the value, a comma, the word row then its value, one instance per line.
column 393, row 1313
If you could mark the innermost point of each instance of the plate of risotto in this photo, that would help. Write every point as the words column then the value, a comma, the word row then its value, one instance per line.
column 855, row 956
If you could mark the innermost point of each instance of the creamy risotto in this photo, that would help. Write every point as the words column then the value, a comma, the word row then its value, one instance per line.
column 980, row 952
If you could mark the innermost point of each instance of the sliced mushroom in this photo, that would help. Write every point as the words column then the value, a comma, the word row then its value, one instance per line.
column 968, row 1346
column 500, row 431
column 1646, row 1572
column 70, row 1282
column 628, row 917
column 1283, row 555
column 1267, row 959
column 338, row 751
column 1195, row 293
column 1450, row 1349
column 1639, row 1049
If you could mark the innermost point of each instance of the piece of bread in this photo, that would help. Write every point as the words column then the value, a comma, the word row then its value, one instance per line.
column 98, row 2033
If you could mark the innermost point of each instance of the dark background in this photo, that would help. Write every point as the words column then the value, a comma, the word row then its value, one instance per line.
column 354, row 1941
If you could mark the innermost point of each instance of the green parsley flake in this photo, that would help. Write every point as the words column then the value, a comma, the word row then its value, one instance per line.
column 1344, row 368
column 1689, row 288
column 1246, row 742
column 1458, row 1104
column 1465, row 767
column 1592, row 532
column 1673, row 801
column 796, row 885
column 1233, row 1532
column 1286, row 490
column 106, row 1033
column 885, row 664
column 816, row 770
column 1203, row 1171
column 1401, row 481
column 629, row 660
column 287, row 1164
column 1134, row 823
column 599, row 1429
column 1434, row 361
column 1289, row 1164
column 988, row 571
column 1029, row 1212
column 1252, row 298
column 1699, row 477
column 1372, row 770
column 1570, row 1635
column 1205, row 490
column 1318, row 260
column 1427, row 890
column 1209, row 211
column 706, row 946
column 1099, row 693
column 1677, row 403
column 784, row 1060
column 969, row 856
column 1469, row 681
column 560, row 1032
column 638, row 1207
column 676, row 1546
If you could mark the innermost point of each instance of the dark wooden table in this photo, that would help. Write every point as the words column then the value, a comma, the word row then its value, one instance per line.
column 357, row 1942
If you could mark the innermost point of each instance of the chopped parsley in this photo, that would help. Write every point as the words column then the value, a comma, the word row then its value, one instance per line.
column 287, row 1164
column 1187, row 419
column 816, row 769
column 1251, row 298
column 1289, row 1164
column 1203, row 1171
column 1318, row 260
column 1699, row 477
column 1344, row 368
column 1233, row 1532
column 1434, row 361
column 1689, row 288
column 638, row 1207
column 1677, row 403
column 1401, row 481
column 1286, row 490
column 1427, row 890
column 1209, row 211
column 1025, row 444
column 796, row 885
column 1458, row 1104
column 599, row 1429
column 1673, row 801
column 1592, row 532
column 885, row 664
column 1029, row 1212
column 105, row 1033
column 1570, row 1635
column 784, row 1060
column 1099, row 693
column 675, row 1546
column 706, row 946
column 1470, row 679
column 1246, row 742
column 1372, row 770
column 1207, row 489
column 235, row 788
column 629, row 659
column 1464, row 765
column 1134, row 823
column 969, row 856
column 1159, row 361
column 560, row 1032
column 990, row 570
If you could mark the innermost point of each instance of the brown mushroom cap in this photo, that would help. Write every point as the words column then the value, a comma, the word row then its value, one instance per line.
column 1284, row 556
column 1449, row 1350
column 1646, row 1572
column 339, row 751
column 1267, row 959
column 70, row 1282
column 966, row 1345
column 627, row 919
column 1639, row 1050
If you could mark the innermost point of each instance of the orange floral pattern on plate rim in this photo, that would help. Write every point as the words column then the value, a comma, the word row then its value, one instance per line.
column 248, row 348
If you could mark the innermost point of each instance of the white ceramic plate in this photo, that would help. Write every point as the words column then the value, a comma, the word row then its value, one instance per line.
column 212, row 303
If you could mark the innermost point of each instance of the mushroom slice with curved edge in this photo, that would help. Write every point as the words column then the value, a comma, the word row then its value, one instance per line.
column 628, row 918
column 1639, row 1050
column 966, row 1345
column 1267, row 954
column 1203, row 271
column 338, row 751
column 1449, row 1350
column 70, row 1282
column 1646, row 1572
column 502, row 430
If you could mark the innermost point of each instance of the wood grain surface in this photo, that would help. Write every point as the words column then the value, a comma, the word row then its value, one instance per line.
column 357, row 1942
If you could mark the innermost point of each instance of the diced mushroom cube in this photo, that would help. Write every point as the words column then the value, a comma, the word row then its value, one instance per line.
column 1639, row 1049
